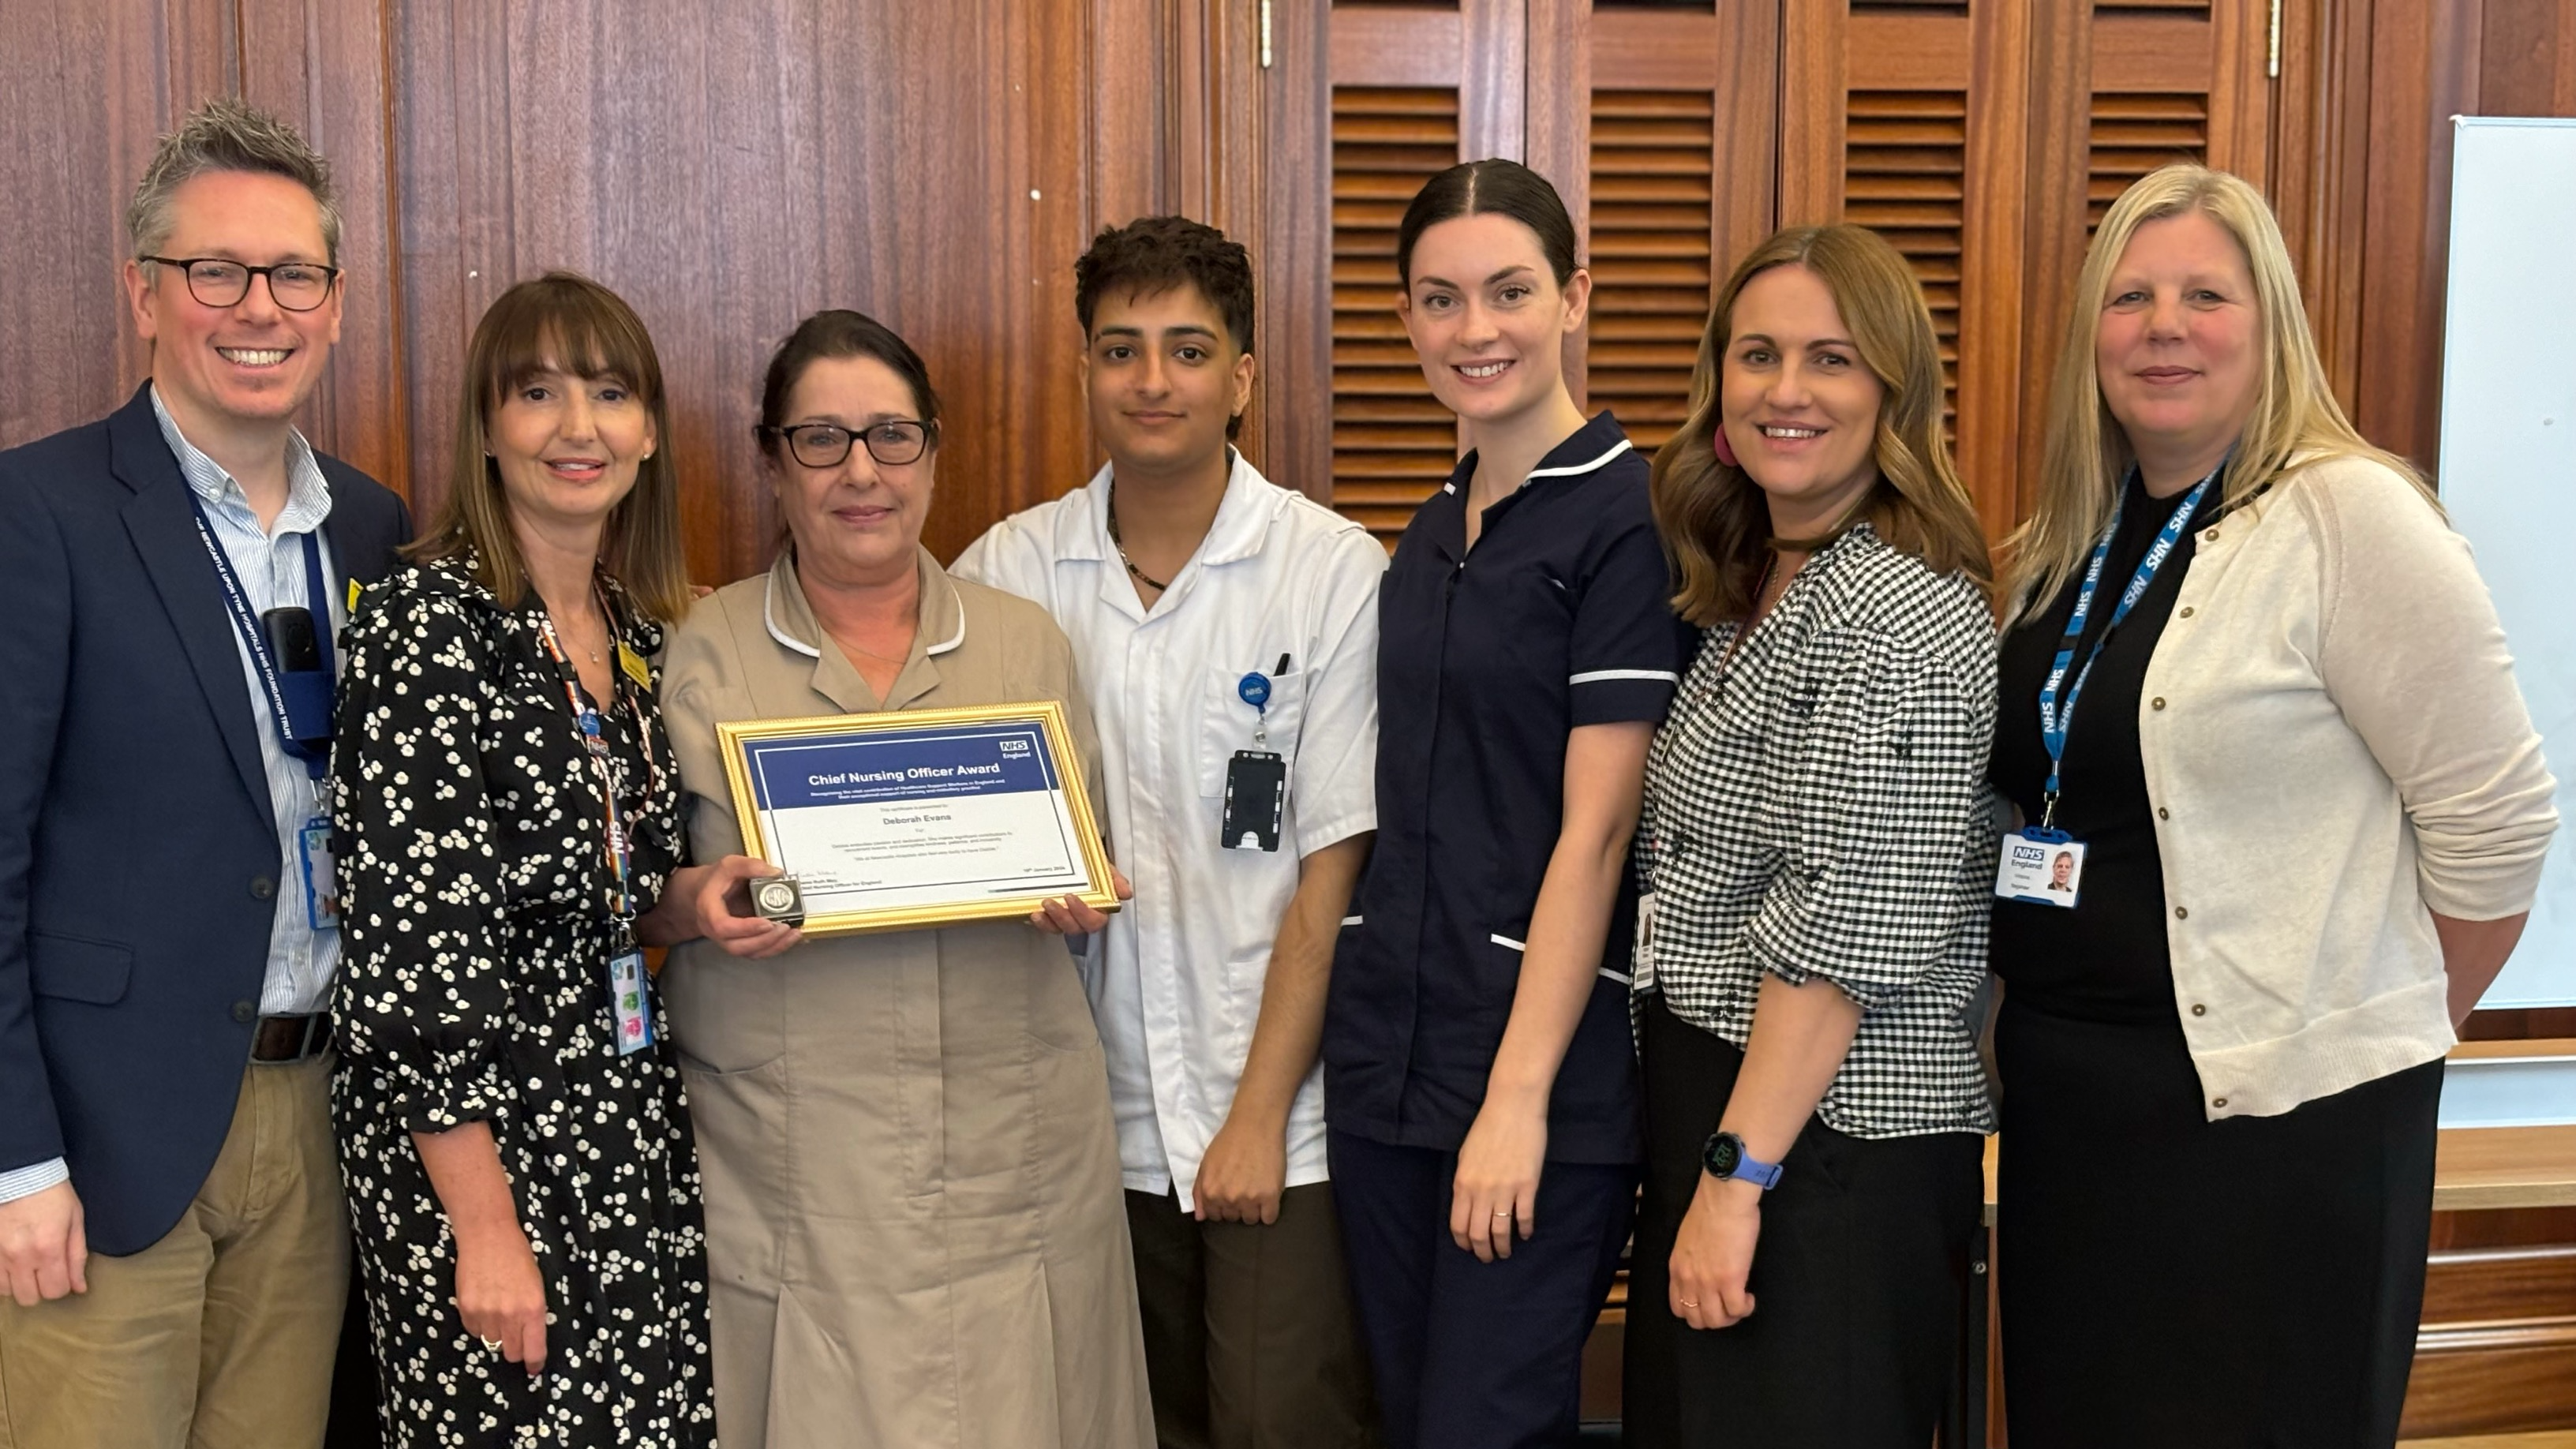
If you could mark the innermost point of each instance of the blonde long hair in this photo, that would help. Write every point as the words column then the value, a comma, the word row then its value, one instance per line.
column 1715, row 523
column 2296, row 421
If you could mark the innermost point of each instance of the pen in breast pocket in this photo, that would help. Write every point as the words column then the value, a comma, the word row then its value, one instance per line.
column 1283, row 666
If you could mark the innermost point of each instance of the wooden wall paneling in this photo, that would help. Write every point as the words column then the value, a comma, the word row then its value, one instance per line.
column 2425, row 62
column 730, row 173
column 1133, row 67
column 1556, row 141
column 1933, row 114
column 2497, row 1350
column 1994, row 233
column 1177, row 125
column 450, row 149
column 1044, row 438
column 1813, row 70
column 1493, row 86
column 88, row 90
column 1652, row 169
column 1410, row 91
column 1292, row 249
column 2320, row 123
column 2527, row 59
column 327, row 66
column 2054, row 216
column 1745, row 93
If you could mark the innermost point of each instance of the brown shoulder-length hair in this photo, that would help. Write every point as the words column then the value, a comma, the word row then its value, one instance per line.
column 1715, row 523
column 563, row 322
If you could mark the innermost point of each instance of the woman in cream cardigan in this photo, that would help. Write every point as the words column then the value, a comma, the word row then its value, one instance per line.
column 2252, row 682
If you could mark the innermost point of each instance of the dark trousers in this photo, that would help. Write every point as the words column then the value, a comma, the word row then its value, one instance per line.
column 1857, row 1278
column 1250, row 1340
column 1470, row 1355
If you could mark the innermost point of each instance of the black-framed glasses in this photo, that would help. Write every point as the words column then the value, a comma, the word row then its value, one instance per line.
column 893, row 442
column 222, row 282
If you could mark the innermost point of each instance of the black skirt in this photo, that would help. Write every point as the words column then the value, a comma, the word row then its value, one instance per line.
column 2251, row 1283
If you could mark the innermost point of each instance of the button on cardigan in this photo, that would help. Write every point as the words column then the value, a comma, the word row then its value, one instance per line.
column 2336, row 750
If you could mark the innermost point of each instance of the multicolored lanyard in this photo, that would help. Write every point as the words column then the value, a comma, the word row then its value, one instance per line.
column 2055, row 721
column 621, row 855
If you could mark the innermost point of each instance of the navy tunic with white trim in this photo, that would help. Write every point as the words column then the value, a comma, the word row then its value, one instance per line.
column 1560, row 617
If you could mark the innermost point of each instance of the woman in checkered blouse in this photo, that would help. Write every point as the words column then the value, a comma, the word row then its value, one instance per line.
column 1817, row 845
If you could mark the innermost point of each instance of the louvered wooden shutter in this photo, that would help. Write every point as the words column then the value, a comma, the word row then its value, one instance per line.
column 1652, row 187
column 1905, row 161
column 1908, row 118
column 2133, row 133
column 1393, row 442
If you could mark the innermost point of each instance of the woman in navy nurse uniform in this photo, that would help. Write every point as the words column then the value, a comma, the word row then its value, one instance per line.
column 1480, row 1087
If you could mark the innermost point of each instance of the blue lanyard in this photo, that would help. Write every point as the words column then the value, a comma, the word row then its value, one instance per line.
column 317, row 596
column 2055, row 721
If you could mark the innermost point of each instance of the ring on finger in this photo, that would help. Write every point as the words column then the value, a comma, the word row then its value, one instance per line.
column 491, row 1343
column 1500, row 1213
column 1690, row 1303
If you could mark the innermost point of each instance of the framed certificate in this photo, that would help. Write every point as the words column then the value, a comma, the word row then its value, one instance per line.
column 895, row 821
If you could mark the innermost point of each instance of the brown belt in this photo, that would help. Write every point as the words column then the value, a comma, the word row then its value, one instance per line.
column 291, row 1038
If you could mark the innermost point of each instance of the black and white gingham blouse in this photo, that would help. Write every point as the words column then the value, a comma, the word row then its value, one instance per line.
column 1817, row 806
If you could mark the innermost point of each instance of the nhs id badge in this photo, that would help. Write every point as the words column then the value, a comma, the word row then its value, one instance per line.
column 632, row 1002
column 321, row 875
column 2040, row 867
column 1256, row 801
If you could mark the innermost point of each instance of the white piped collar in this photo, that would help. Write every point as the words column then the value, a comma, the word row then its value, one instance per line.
column 798, row 631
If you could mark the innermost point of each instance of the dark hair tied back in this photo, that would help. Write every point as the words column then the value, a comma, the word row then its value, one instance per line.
column 1499, row 188
column 840, row 332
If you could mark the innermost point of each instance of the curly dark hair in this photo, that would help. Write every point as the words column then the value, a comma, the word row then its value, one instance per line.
column 1154, row 253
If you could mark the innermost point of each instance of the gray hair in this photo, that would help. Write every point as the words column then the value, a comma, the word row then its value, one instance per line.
column 226, row 134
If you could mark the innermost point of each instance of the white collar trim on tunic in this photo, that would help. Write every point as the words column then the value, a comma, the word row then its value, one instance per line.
column 1571, row 469
column 1565, row 472
column 769, row 617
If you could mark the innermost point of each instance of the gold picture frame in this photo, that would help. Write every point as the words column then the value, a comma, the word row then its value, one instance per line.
column 758, row 769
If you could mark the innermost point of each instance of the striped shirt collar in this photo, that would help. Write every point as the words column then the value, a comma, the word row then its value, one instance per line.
column 308, row 495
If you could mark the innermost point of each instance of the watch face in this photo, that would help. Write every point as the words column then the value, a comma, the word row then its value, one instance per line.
column 1725, row 1150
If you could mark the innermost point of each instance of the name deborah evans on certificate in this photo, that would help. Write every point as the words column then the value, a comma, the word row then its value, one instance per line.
column 893, row 818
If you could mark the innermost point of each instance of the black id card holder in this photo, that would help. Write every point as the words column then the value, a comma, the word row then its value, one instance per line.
column 1256, row 795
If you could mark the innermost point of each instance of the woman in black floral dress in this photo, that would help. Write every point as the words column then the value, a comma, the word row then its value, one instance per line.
column 512, row 1129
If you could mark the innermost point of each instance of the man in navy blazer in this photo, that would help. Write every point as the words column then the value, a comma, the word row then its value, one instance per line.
column 173, row 1239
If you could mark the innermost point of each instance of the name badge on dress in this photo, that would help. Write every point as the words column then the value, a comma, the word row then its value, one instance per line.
column 2041, row 867
column 629, row 997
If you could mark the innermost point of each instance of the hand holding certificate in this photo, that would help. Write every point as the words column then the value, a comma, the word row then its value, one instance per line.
column 897, row 821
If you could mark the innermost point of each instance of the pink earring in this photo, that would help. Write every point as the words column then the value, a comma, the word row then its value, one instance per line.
column 1718, row 444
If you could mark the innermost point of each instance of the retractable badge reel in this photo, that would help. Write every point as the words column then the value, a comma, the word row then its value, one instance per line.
column 1256, row 780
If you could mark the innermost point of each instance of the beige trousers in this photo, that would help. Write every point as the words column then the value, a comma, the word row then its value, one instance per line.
column 219, row 1336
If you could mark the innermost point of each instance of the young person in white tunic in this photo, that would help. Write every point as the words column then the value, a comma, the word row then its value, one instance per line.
column 1225, row 630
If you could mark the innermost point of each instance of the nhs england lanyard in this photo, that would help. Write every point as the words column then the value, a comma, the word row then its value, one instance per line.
column 2056, row 720
column 313, row 696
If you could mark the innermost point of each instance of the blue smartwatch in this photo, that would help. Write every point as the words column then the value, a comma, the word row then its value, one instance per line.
column 1725, row 1157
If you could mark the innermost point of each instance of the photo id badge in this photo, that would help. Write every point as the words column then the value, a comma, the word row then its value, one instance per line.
column 2042, row 867
column 321, row 876
column 1256, row 797
column 630, row 998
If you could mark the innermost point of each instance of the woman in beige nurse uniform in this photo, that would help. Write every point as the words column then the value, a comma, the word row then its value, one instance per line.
column 914, row 1225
